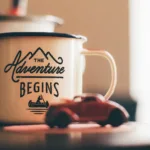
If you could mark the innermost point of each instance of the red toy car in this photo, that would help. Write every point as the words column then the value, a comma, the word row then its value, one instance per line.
column 86, row 108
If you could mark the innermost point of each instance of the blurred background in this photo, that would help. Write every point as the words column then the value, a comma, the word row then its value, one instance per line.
column 119, row 26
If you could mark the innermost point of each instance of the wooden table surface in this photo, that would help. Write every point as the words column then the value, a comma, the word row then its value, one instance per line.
column 76, row 136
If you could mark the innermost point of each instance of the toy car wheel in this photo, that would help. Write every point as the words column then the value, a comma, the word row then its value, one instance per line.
column 30, row 103
column 47, row 104
column 51, row 125
column 102, row 124
column 116, row 118
column 48, row 119
column 62, row 120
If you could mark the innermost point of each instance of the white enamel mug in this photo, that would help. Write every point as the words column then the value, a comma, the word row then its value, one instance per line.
column 45, row 23
column 37, row 69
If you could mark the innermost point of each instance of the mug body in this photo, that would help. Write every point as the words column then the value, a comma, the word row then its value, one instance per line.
column 37, row 69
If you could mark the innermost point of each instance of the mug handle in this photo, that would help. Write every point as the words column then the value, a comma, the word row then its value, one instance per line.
column 112, row 63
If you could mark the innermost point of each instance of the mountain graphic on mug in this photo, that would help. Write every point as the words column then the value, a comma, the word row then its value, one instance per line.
column 47, row 55
column 40, row 102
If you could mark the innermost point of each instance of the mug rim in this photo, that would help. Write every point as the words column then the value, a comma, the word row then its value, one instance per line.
column 45, row 18
column 51, row 34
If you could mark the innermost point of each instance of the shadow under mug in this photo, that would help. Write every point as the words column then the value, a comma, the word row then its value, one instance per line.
column 39, row 68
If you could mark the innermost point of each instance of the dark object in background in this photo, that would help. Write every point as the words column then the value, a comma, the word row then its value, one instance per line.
column 19, row 7
column 16, row 20
column 89, row 107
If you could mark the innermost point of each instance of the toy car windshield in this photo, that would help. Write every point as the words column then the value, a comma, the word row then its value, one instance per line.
column 88, row 97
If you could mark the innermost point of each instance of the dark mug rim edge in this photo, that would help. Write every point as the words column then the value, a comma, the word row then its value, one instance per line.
column 51, row 34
